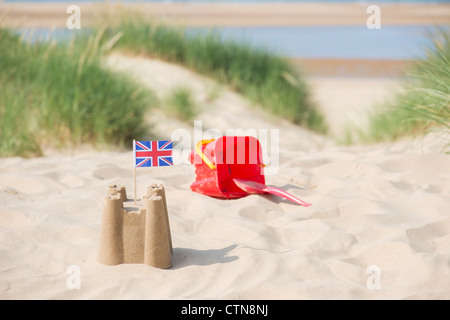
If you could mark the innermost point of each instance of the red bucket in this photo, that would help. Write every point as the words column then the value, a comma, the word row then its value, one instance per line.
column 218, row 162
column 231, row 167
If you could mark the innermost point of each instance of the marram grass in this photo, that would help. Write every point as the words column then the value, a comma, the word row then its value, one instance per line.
column 264, row 78
column 58, row 94
column 424, row 104
column 180, row 104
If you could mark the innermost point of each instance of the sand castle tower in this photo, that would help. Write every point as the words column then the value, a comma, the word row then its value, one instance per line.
column 131, row 234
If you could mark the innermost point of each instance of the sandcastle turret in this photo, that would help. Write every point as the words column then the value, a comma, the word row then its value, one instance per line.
column 135, row 234
column 158, row 190
column 111, row 242
column 157, row 236
column 120, row 190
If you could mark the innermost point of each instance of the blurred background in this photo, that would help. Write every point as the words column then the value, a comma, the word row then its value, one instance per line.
column 325, row 37
column 325, row 65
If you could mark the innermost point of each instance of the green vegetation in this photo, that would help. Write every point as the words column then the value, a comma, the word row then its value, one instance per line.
column 58, row 94
column 424, row 104
column 264, row 78
column 180, row 104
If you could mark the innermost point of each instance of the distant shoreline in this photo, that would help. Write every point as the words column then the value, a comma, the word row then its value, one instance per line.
column 53, row 14
column 349, row 68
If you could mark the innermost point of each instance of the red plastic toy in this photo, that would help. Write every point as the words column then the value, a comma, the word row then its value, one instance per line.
column 231, row 167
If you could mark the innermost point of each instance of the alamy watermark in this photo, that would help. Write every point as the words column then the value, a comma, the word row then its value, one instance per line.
column 74, row 20
column 374, row 280
column 74, row 280
column 374, row 20
column 269, row 141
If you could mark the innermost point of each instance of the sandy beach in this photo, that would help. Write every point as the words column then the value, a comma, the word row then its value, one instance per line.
column 378, row 227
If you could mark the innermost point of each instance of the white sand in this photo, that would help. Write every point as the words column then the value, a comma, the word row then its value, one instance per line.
column 383, row 207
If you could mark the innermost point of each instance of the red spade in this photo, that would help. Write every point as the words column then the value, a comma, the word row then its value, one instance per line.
column 231, row 167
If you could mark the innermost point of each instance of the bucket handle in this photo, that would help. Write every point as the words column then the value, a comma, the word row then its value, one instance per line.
column 198, row 148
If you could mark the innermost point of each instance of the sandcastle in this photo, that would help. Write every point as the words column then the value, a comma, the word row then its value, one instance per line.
column 135, row 233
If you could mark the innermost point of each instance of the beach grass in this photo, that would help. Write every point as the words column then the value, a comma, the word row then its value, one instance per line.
column 423, row 104
column 180, row 104
column 59, row 94
column 266, row 79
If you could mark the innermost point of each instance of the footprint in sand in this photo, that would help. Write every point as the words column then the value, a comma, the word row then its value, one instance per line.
column 7, row 190
column 261, row 211
column 428, row 237
column 111, row 172
column 307, row 163
column 83, row 236
column 427, row 164
column 347, row 169
column 22, row 184
column 13, row 219
column 28, row 184
column 67, row 179
column 334, row 243
column 253, row 212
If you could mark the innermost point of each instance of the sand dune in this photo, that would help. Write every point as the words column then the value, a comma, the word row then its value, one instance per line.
column 378, row 227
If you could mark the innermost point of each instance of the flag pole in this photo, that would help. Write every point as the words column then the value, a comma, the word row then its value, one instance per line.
column 134, row 167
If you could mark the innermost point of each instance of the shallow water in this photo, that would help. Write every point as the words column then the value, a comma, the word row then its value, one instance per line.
column 340, row 42
column 333, row 42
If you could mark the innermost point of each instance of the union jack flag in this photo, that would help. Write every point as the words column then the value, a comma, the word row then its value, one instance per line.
column 153, row 153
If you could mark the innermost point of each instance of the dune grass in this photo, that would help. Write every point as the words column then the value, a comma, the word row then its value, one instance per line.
column 264, row 78
column 424, row 103
column 58, row 94
column 181, row 104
